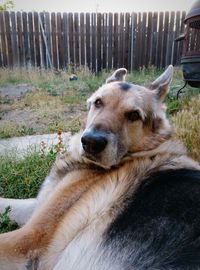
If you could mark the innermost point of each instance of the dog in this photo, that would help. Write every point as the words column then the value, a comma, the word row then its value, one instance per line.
column 124, row 196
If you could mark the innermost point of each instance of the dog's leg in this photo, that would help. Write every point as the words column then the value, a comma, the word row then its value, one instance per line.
column 21, row 210
column 30, row 241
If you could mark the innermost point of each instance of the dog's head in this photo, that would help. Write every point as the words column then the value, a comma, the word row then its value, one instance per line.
column 125, row 119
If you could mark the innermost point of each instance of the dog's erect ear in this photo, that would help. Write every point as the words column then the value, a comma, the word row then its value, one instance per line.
column 118, row 75
column 161, row 85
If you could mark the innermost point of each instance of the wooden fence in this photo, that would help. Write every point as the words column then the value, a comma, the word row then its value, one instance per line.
column 93, row 40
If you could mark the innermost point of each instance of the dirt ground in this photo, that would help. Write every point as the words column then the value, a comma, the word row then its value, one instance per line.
column 26, row 110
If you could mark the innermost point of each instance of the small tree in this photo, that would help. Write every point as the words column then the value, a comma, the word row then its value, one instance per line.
column 7, row 5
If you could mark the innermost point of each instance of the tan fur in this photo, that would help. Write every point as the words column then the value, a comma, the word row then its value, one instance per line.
column 83, row 195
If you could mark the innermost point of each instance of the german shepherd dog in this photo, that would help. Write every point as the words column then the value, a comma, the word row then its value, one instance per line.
column 124, row 197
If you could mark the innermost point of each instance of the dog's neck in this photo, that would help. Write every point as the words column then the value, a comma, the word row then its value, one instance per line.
column 170, row 147
column 168, row 155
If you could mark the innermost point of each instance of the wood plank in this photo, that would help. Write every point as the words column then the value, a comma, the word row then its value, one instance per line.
column 160, row 40
column 88, row 40
column 37, row 39
column 54, row 40
column 47, row 31
column 14, row 40
column 1, row 60
column 143, row 39
column 26, row 39
column 8, row 38
column 127, row 41
column 1, row 52
column 165, row 40
column 105, row 36
column 71, row 39
column 170, row 44
column 20, row 40
column 94, row 45
column 115, row 42
column 149, row 38
column 82, row 39
column 154, row 39
column 177, row 32
column 138, row 42
column 3, row 40
column 110, row 41
column 60, row 41
column 66, row 40
column 31, row 39
column 121, row 41
column 76, row 39
column 42, row 40
column 99, row 49
column 133, row 40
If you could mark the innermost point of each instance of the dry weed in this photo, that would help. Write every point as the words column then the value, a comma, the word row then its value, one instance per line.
column 186, row 125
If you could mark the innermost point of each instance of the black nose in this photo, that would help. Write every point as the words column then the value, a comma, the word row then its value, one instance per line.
column 94, row 142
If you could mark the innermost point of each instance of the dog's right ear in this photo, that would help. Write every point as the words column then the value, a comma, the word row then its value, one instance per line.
column 118, row 75
column 161, row 85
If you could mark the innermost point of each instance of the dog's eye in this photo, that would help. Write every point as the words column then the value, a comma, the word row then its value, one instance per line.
column 133, row 116
column 98, row 103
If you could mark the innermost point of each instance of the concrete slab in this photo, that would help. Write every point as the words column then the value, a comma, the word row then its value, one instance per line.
column 21, row 145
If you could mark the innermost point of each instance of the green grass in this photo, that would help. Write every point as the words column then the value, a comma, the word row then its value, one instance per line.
column 6, row 224
column 14, row 130
column 186, row 125
column 21, row 178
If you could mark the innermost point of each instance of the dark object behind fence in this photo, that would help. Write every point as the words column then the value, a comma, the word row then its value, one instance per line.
column 97, row 41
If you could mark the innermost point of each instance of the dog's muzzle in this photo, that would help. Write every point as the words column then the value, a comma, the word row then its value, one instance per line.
column 94, row 142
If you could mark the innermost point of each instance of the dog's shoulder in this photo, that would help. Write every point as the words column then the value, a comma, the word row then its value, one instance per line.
column 160, row 223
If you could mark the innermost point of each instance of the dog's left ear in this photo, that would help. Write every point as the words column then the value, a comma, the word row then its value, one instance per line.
column 118, row 75
column 161, row 85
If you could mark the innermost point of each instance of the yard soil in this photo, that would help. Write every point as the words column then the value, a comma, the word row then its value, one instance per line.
column 34, row 118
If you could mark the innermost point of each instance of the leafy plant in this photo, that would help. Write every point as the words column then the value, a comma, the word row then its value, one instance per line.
column 5, row 223
column 7, row 5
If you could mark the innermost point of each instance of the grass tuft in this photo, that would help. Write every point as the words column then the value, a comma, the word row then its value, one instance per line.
column 186, row 125
column 21, row 178
column 6, row 224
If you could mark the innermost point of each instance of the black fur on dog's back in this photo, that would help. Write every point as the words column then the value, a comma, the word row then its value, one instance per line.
column 160, row 226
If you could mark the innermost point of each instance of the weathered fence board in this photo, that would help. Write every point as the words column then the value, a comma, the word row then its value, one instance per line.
column 65, row 39
column 115, row 41
column 8, row 38
column 103, row 40
column 31, row 39
column 160, row 40
column 88, row 39
column 93, row 40
column 60, row 41
column 165, row 39
column 109, row 43
column 94, row 51
column 99, row 62
column 43, row 39
column 3, row 40
column 144, row 39
column 149, row 39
